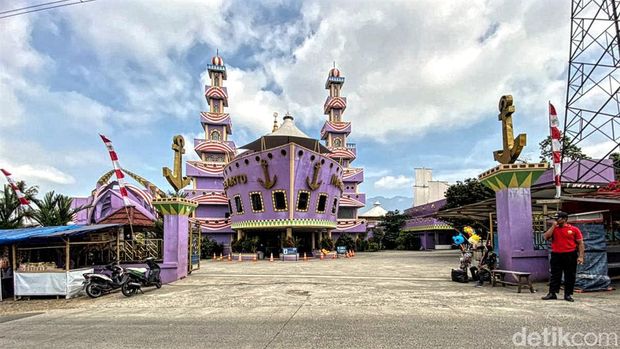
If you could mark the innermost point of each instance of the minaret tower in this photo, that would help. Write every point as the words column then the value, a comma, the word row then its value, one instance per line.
column 335, row 133
column 215, row 151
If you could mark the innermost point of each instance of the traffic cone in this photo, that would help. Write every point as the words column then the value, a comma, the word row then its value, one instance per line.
column 335, row 255
column 271, row 257
column 348, row 254
column 254, row 258
column 214, row 256
column 322, row 256
column 305, row 257
column 229, row 257
column 240, row 260
column 353, row 252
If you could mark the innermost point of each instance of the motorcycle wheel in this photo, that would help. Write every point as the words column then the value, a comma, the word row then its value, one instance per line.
column 127, row 290
column 158, row 284
column 93, row 291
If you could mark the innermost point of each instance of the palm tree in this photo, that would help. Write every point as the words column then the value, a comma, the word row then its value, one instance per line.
column 54, row 210
column 12, row 213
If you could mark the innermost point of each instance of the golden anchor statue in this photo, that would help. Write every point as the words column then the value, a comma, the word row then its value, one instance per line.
column 313, row 185
column 512, row 146
column 175, row 178
column 268, row 183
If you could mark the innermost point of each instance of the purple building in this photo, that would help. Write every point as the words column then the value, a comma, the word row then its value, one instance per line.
column 288, row 154
column 215, row 151
column 335, row 132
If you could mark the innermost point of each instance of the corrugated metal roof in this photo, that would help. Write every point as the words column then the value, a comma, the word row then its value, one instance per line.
column 10, row 236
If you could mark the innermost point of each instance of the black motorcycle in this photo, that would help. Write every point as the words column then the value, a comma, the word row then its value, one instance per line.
column 97, row 284
column 142, row 277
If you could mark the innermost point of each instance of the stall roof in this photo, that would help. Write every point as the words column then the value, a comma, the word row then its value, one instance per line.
column 11, row 236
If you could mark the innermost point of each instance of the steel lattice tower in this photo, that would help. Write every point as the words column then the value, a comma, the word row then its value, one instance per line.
column 592, row 115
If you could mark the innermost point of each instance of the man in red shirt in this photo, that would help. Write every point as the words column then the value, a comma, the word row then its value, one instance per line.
column 567, row 250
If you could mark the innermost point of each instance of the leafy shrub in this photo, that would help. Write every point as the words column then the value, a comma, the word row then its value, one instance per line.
column 373, row 247
column 361, row 245
column 327, row 243
column 245, row 245
column 346, row 240
column 408, row 241
column 208, row 247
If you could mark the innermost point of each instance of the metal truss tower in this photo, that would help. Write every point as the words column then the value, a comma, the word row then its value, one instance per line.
column 592, row 117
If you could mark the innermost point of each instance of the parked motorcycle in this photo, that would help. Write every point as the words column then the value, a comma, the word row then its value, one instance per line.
column 96, row 284
column 142, row 277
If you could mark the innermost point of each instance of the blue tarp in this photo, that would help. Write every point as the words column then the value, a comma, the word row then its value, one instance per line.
column 11, row 236
column 592, row 274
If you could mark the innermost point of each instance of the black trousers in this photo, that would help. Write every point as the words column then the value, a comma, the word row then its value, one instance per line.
column 563, row 263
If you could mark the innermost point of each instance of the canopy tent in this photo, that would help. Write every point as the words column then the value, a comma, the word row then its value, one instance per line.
column 11, row 236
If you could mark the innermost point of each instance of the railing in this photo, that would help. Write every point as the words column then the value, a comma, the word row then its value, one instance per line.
column 139, row 250
column 351, row 145
column 539, row 226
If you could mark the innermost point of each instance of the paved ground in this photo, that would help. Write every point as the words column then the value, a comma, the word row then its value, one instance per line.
column 375, row 300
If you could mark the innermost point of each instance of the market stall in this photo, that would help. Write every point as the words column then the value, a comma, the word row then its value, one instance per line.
column 51, row 261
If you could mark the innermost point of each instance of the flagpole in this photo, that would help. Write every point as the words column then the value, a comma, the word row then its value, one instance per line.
column 120, row 178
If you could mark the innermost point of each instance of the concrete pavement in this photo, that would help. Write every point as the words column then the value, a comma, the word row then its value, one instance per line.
column 375, row 300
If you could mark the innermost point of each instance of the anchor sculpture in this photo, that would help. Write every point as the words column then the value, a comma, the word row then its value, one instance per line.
column 512, row 146
column 175, row 178
column 267, row 183
column 314, row 185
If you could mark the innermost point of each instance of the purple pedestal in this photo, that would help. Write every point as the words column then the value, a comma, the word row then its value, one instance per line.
column 515, row 233
column 176, row 247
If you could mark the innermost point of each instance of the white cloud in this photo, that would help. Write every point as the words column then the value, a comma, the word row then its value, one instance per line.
column 41, row 173
column 391, row 182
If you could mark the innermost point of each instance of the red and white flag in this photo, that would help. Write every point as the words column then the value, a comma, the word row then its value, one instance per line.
column 556, row 149
column 120, row 176
column 22, row 198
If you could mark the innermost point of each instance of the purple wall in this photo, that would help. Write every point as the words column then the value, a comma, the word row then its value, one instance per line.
column 279, row 165
column 211, row 211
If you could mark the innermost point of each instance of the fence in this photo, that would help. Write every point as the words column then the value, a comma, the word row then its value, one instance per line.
column 139, row 250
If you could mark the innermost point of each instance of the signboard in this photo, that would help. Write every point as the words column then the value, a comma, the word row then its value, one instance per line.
column 289, row 250
column 341, row 249
column 194, row 248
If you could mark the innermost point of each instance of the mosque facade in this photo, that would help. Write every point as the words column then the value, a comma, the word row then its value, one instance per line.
column 285, row 186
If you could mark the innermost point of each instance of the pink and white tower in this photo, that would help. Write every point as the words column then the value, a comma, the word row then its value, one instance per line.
column 335, row 133
column 215, row 151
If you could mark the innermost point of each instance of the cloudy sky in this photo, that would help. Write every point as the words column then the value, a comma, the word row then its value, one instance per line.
column 423, row 81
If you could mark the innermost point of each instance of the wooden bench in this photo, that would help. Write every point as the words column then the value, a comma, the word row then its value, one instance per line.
column 522, row 279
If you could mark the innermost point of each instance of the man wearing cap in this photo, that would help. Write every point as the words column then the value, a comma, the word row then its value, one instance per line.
column 567, row 250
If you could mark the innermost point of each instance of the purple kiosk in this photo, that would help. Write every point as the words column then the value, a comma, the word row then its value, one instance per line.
column 284, row 187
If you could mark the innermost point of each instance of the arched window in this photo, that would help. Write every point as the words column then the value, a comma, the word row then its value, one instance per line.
column 215, row 135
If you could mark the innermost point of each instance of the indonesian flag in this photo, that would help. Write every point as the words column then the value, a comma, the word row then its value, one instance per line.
column 22, row 198
column 556, row 149
column 120, row 176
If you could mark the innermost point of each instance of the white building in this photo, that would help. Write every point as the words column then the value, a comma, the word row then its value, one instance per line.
column 425, row 189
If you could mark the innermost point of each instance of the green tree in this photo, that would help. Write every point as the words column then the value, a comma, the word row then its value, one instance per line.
column 468, row 192
column 346, row 240
column 54, row 210
column 392, row 224
column 12, row 214
column 571, row 151
column 408, row 240
column 616, row 158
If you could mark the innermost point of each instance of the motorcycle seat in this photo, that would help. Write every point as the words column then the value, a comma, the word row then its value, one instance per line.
column 139, row 270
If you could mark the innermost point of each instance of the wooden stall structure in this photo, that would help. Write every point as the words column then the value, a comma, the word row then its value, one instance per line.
column 51, row 261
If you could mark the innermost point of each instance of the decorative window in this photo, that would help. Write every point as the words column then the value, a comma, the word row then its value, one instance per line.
column 216, row 80
column 335, row 206
column 230, row 210
column 322, row 203
column 337, row 142
column 303, row 200
column 215, row 135
column 216, row 106
column 279, row 200
column 256, row 198
column 238, row 204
